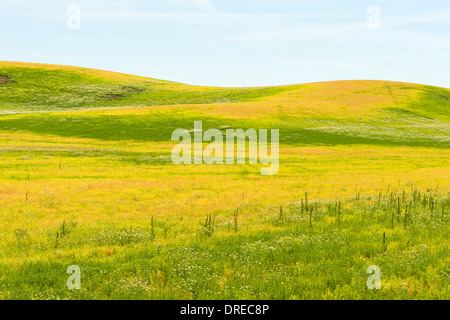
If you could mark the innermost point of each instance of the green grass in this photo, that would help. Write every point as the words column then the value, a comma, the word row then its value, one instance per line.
column 269, row 257
column 416, row 116
column 158, row 125
column 41, row 89
column 97, row 189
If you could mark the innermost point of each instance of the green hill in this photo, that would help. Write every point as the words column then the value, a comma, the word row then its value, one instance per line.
column 87, row 179
column 328, row 113
column 34, row 87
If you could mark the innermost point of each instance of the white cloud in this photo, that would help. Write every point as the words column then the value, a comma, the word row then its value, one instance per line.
column 213, row 15
column 206, row 4
column 306, row 33
column 391, row 33
column 201, row 4
column 427, row 17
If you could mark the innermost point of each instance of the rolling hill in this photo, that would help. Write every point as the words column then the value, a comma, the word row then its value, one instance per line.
column 86, row 179
column 367, row 112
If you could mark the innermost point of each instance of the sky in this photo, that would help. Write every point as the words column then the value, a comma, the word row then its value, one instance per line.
column 236, row 42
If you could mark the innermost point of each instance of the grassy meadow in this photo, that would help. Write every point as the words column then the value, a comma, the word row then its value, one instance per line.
column 86, row 179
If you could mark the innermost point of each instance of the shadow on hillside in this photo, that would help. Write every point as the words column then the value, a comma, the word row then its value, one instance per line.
column 159, row 128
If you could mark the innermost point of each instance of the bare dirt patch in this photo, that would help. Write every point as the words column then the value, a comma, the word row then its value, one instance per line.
column 4, row 80
column 132, row 89
column 112, row 96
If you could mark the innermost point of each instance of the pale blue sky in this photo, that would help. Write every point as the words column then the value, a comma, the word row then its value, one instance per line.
column 236, row 42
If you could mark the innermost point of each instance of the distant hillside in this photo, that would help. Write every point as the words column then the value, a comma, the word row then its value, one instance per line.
column 325, row 113
column 34, row 87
